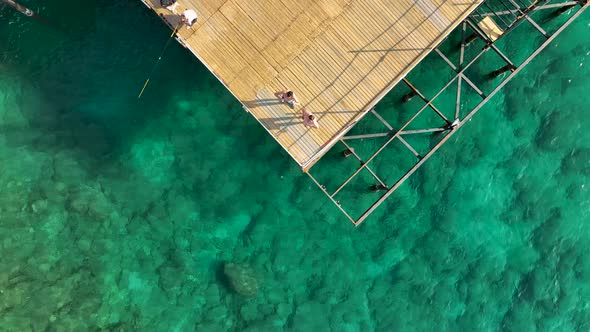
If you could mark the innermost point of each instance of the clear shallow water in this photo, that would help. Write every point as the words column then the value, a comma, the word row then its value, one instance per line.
column 121, row 215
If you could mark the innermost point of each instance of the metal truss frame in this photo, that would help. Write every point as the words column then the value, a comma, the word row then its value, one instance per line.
column 509, row 14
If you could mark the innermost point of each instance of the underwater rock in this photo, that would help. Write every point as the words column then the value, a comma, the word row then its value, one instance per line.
column 276, row 296
column 39, row 205
column 66, row 168
column 170, row 279
column 51, row 191
column 559, row 130
column 13, row 193
column 153, row 159
column 283, row 311
column 90, row 201
column 214, row 326
column 577, row 161
column 266, row 309
column 217, row 314
column 242, row 279
column 212, row 294
column 249, row 312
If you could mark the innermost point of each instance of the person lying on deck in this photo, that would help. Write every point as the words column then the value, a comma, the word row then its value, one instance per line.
column 309, row 120
column 287, row 97
column 189, row 17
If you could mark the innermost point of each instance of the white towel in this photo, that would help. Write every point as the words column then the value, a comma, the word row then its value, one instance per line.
column 172, row 7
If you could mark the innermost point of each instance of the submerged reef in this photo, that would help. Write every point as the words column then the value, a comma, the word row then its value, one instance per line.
column 179, row 213
column 242, row 279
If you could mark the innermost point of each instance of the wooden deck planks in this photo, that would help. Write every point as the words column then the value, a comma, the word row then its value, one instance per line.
column 339, row 56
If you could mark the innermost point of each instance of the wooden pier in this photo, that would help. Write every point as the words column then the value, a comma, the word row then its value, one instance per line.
column 340, row 57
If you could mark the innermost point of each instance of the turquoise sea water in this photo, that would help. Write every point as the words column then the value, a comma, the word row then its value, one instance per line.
column 179, row 213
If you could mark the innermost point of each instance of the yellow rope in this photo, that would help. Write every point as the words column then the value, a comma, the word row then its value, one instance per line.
column 146, row 83
column 159, row 58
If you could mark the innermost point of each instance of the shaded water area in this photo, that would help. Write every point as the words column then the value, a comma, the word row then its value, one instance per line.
column 179, row 212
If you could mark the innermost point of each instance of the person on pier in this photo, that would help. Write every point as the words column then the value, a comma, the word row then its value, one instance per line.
column 189, row 17
column 309, row 120
column 287, row 97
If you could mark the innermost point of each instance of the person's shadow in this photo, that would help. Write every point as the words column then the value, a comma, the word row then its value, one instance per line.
column 261, row 102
